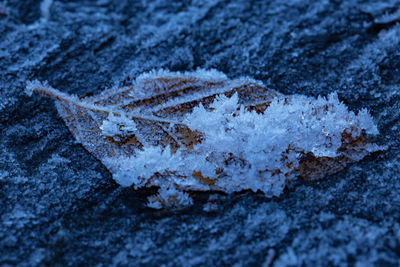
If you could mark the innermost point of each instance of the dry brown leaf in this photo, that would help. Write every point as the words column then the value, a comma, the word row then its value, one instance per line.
column 123, row 123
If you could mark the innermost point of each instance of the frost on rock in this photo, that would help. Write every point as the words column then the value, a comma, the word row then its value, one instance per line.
column 200, row 131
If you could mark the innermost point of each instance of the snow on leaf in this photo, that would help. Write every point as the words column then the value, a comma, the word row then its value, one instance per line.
column 200, row 131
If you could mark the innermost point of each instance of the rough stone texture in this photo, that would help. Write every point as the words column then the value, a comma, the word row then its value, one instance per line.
column 59, row 205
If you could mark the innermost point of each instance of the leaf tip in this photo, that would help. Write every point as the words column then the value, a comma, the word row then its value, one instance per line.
column 45, row 89
column 32, row 86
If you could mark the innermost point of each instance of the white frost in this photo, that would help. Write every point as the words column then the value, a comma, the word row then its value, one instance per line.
column 45, row 6
column 255, row 151
column 117, row 126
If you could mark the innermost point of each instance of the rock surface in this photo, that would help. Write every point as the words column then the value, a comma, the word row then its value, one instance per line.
column 61, row 206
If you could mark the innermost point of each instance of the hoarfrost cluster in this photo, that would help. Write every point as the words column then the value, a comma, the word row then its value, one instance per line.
column 256, row 151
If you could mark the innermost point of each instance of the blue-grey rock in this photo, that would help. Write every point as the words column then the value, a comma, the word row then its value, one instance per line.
column 60, row 206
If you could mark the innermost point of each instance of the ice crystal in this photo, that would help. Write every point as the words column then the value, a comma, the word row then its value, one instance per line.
column 115, row 126
column 200, row 131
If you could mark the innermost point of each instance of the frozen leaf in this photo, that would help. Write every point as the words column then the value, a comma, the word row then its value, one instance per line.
column 200, row 131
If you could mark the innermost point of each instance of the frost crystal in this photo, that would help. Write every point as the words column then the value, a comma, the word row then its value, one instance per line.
column 117, row 126
column 200, row 131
